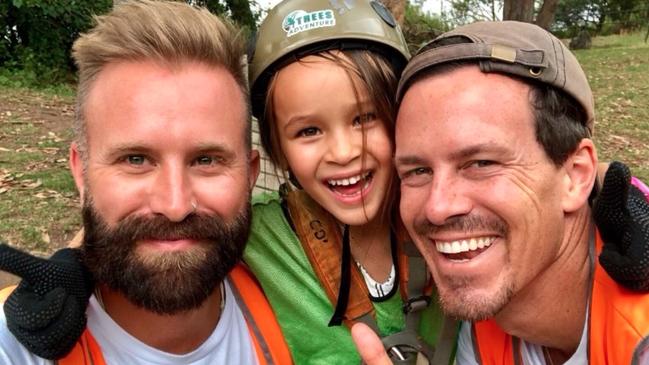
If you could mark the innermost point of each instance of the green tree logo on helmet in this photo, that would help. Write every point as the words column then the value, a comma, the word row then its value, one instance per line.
column 299, row 21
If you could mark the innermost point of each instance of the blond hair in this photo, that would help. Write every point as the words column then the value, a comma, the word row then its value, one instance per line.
column 162, row 31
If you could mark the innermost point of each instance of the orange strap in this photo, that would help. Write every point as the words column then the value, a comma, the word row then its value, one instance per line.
column 264, row 329
column 319, row 233
column 617, row 318
column 85, row 352
column 492, row 346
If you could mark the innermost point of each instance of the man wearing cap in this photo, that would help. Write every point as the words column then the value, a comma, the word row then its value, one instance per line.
column 496, row 160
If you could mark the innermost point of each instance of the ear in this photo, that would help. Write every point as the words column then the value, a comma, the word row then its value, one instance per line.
column 581, row 172
column 254, row 168
column 76, row 167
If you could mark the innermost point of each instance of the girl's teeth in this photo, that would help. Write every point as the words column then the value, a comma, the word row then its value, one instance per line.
column 348, row 181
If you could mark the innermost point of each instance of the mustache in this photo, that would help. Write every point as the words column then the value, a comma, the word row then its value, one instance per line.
column 465, row 223
column 134, row 228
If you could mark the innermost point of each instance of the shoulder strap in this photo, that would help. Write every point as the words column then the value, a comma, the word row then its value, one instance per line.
column 85, row 352
column 264, row 329
column 492, row 345
column 320, row 236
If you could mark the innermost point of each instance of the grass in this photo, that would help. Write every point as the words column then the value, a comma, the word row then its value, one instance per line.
column 39, row 203
column 38, row 199
column 618, row 72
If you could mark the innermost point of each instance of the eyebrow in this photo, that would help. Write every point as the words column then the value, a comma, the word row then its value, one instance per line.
column 476, row 149
column 456, row 155
column 143, row 147
column 408, row 160
column 363, row 105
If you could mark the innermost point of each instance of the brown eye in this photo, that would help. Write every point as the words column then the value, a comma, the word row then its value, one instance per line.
column 364, row 118
column 308, row 132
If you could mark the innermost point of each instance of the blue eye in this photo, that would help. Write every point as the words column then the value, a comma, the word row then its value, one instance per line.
column 204, row 160
column 135, row 159
column 417, row 176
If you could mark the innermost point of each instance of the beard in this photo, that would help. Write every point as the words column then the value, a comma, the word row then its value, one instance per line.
column 460, row 296
column 459, row 300
column 163, row 282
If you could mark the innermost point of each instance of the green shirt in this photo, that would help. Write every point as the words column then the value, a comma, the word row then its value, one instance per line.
column 303, row 310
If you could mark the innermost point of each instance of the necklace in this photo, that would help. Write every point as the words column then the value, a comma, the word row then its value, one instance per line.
column 548, row 357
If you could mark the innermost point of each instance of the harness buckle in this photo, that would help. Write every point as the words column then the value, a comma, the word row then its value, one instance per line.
column 416, row 304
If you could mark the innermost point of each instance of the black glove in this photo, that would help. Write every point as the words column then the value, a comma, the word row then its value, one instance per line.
column 47, row 311
column 621, row 213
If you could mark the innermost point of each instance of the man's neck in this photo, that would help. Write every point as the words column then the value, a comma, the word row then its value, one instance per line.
column 552, row 310
column 177, row 334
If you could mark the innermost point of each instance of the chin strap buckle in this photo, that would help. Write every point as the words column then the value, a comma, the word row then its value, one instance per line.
column 416, row 304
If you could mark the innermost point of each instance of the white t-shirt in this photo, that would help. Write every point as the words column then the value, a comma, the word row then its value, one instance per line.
column 230, row 343
column 532, row 354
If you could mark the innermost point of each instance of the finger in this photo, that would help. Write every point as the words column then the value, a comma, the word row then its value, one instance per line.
column 616, row 184
column 369, row 345
column 610, row 211
column 77, row 241
column 32, row 311
column 20, row 263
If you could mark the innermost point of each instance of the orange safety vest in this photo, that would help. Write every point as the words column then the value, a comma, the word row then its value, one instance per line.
column 264, row 330
column 618, row 323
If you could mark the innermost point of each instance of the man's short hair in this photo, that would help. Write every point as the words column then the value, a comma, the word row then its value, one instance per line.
column 161, row 31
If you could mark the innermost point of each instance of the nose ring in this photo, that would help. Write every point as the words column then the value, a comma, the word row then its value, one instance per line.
column 194, row 206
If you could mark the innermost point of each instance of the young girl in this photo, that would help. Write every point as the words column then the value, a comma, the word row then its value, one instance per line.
column 323, row 78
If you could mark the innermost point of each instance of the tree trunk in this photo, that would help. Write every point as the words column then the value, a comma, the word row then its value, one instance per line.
column 546, row 15
column 397, row 8
column 521, row 10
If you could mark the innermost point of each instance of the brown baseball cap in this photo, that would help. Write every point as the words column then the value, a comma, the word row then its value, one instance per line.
column 521, row 49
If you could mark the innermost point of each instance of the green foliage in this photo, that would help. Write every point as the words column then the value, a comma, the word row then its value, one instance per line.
column 420, row 27
column 469, row 11
column 601, row 17
column 240, row 11
column 38, row 34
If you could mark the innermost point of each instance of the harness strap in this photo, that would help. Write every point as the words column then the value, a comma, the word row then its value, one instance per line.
column 266, row 335
column 418, row 281
column 85, row 352
column 319, row 234
column 446, row 342
column 345, row 280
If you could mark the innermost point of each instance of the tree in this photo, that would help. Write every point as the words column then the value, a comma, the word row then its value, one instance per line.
column 468, row 11
column 540, row 12
column 521, row 10
column 545, row 17
column 36, row 35
column 419, row 27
